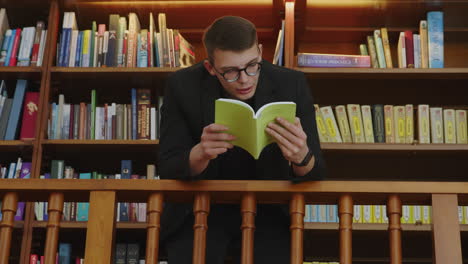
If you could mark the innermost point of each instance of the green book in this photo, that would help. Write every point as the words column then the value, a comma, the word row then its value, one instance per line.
column 248, row 126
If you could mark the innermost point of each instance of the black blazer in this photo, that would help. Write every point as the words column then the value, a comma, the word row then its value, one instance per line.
column 189, row 106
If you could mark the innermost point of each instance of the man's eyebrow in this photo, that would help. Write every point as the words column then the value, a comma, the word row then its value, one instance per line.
column 236, row 68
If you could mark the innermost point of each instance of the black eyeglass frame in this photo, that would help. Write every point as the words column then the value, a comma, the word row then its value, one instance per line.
column 260, row 64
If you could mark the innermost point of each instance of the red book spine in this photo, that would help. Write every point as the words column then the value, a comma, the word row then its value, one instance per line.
column 14, row 51
column 30, row 107
column 409, row 49
column 33, row 259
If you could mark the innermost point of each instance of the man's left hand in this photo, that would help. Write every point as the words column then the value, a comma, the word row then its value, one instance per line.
column 290, row 137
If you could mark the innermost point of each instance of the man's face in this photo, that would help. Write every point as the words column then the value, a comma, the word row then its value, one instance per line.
column 224, row 61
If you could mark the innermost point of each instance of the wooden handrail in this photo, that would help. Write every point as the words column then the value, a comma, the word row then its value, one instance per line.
column 201, row 209
column 154, row 211
column 394, row 228
column 322, row 192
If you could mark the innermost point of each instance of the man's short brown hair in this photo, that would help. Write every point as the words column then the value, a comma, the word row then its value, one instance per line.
column 231, row 33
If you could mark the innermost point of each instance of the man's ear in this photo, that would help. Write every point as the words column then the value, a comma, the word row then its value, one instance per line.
column 209, row 67
column 260, row 49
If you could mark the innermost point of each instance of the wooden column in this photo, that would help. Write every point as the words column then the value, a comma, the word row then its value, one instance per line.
column 101, row 227
column 297, row 210
column 248, row 210
column 346, row 228
column 394, row 228
column 154, row 211
column 446, row 229
column 201, row 209
column 55, row 210
column 289, row 34
column 9, row 207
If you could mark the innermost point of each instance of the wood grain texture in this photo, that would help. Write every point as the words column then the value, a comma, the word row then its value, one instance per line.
column 297, row 211
column 101, row 227
column 394, row 228
column 9, row 207
column 55, row 211
column 345, row 211
column 446, row 230
column 154, row 211
column 201, row 210
column 248, row 212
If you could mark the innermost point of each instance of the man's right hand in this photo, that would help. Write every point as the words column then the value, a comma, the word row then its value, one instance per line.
column 213, row 143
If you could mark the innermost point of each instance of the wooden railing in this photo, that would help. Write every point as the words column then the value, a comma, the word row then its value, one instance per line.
column 104, row 194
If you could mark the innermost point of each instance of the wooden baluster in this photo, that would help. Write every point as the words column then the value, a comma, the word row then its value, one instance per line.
column 55, row 210
column 101, row 227
column 248, row 210
column 394, row 228
column 9, row 207
column 155, row 208
column 297, row 210
column 346, row 228
column 201, row 209
column 446, row 229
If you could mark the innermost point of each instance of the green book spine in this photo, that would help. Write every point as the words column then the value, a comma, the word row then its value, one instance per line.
column 91, row 40
column 378, row 122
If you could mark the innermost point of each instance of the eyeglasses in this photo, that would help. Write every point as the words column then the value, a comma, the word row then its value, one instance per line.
column 233, row 75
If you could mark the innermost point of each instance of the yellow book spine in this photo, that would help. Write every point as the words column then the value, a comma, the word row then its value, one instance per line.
column 377, row 214
column 367, row 123
column 409, row 113
column 367, row 214
column 386, row 46
column 343, row 123
column 427, row 214
column 399, row 116
column 461, row 127
column 424, row 127
column 449, row 126
column 321, row 129
column 388, row 116
column 355, row 121
column 424, row 44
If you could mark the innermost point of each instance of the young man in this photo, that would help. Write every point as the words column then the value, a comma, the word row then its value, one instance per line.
column 192, row 148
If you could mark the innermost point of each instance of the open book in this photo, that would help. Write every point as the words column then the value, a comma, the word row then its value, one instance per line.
column 248, row 126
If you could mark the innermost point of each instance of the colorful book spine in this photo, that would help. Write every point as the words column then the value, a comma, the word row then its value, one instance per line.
column 321, row 127
column 437, row 125
column 372, row 52
column 409, row 49
column 424, row 125
column 386, row 47
column 424, row 44
column 330, row 123
column 389, row 124
column 342, row 119
column 379, row 123
column 435, row 34
column 461, row 126
column 449, row 126
column 379, row 48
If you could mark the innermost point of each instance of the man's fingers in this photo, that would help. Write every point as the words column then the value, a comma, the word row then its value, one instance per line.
column 217, row 137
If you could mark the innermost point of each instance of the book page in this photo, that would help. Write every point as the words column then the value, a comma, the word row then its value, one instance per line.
column 267, row 114
column 238, row 117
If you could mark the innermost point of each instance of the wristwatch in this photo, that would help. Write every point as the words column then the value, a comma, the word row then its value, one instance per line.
column 306, row 159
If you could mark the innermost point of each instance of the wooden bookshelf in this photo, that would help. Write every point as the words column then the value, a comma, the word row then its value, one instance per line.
column 316, row 26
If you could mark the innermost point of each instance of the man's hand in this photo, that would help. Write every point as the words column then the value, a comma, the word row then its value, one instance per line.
column 290, row 137
column 212, row 144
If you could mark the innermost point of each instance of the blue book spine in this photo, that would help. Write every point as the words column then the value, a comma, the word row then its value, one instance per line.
column 12, row 126
column 314, row 213
column 83, row 208
column 156, row 51
column 66, row 55
column 78, row 49
column 126, row 169
column 123, row 209
column 54, row 120
column 10, row 47
column 379, row 48
column 5, row 44
column 64, row 254
column 435, row 35
column 134, row 114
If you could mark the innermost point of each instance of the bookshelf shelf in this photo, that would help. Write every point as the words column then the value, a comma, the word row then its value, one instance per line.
column 410, row 148
column 13, row 73
column 82, row 225
column 376, row 227
column 58, row 142
column 376, row 74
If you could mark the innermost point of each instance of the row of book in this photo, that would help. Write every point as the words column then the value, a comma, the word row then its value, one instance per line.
column 122, row 44
column 125, row 253
column 423, row 50
column 138, row 120
column 278, row 57
column 21, row 46
column 23, row 105
column 76, row 211
column 354, row 123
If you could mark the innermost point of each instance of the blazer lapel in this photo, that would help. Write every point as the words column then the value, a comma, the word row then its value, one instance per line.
column 210, row 92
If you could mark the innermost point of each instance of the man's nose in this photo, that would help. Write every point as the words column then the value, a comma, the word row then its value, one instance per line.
column 243, row 77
